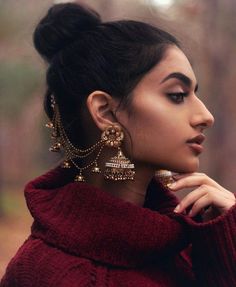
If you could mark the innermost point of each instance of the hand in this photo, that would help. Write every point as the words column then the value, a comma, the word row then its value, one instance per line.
column 207, row 193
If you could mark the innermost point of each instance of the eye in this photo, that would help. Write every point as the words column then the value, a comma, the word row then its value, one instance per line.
column 177, row 97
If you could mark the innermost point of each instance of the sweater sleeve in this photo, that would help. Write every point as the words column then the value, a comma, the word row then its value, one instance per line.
column 214, row 250
column 159, row 198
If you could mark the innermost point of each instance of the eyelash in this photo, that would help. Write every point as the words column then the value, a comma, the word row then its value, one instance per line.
column 177, row 98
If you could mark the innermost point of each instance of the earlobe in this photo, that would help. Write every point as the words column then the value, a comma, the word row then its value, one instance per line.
column 101, row 107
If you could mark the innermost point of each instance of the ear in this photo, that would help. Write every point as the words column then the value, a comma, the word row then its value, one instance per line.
column 101, row 107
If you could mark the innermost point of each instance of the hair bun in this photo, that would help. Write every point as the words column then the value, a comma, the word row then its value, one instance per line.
column 61, row 26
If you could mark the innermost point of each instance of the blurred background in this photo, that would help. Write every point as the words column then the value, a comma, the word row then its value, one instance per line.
column 207, row 30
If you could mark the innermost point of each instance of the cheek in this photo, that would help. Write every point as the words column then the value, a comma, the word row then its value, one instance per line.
column 153, row 131
column 153, row 121
column 158, row 138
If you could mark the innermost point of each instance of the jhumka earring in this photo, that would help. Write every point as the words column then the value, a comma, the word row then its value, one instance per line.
column 119, row 167
column 165, row 177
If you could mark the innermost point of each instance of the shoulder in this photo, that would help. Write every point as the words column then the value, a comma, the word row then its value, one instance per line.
column 39, row 264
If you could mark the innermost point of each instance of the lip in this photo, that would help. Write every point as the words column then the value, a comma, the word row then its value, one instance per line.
column 195, row 143
column 196, row 147
column 199, row 139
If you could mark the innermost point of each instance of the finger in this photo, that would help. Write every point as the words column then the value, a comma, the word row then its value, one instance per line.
column 177, row 176
column 222, row 199
column 190, row 199
column 193, row 181
column 197, row 207
column 182, row 175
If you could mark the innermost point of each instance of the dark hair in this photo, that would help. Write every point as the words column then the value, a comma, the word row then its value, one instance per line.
column 85, row 54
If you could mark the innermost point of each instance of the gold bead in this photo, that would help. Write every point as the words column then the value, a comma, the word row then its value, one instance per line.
column 96, row 169
column 79, row 178
column 49, row 125
column 66, row 164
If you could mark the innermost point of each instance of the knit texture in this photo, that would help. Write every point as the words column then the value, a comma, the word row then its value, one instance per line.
column 83, row 236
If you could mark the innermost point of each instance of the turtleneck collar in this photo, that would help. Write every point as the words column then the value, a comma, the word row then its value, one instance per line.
column 88, row 222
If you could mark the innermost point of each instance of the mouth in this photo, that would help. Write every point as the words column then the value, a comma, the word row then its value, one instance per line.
column 196, row 143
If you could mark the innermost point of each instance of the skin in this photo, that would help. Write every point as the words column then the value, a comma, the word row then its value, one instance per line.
column 161, row 121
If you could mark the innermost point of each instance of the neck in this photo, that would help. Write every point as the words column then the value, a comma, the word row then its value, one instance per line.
column 133, row 191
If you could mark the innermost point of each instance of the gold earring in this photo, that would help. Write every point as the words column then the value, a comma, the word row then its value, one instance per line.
column 73, row 154
column 56, row 146
column 118, row 167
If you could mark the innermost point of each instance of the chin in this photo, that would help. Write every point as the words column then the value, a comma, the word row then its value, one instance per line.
column 185, row 167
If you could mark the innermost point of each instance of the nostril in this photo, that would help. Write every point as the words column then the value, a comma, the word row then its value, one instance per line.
column 203, row 126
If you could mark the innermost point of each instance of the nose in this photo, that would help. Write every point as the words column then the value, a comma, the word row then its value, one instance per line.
column 201, row 117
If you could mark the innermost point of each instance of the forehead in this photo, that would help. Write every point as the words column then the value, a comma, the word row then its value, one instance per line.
column 174, row 61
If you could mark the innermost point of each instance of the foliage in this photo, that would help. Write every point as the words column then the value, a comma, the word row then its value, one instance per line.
column 19, row 80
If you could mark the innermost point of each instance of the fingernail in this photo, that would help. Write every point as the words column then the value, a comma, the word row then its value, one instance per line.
column 190, row 212
column 177, row 208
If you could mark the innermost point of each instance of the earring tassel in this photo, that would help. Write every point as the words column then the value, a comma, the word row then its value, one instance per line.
column 79, row 178
column 66, row 164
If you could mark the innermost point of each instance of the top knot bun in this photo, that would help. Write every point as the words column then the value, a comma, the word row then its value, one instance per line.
column 62, row 26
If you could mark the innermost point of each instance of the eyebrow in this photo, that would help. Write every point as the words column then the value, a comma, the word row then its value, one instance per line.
column 181, row 77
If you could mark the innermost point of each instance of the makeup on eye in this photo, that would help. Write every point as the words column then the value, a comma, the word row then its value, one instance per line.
column 178, row 90
column 177, row 97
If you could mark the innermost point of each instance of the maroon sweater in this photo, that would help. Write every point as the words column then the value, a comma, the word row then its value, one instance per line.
column 82, row 236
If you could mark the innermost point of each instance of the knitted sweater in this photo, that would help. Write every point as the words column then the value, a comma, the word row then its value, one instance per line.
column 83, row 236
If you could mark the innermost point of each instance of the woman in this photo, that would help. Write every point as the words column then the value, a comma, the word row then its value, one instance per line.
column 122, row 104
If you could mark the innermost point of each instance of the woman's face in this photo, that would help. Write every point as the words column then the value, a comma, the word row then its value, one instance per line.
column 165, row 115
